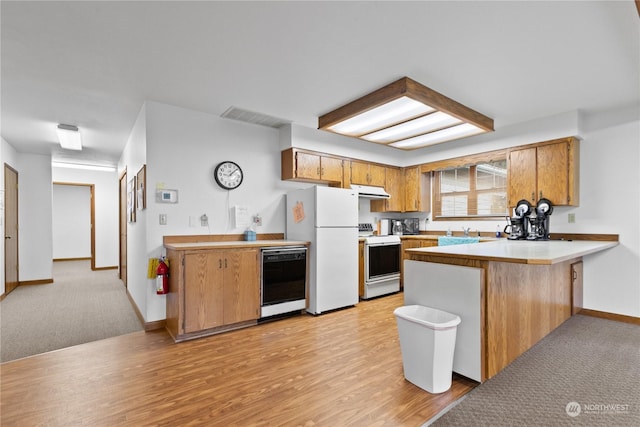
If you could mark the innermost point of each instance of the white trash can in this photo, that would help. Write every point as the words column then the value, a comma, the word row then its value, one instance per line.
column 427, row 342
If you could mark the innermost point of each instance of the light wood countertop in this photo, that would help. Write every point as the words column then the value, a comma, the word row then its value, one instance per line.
column 239, row 244
column 518, row 251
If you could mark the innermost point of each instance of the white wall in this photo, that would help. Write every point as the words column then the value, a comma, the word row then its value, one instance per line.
column 181, row 148
column 133, row 157
column 71, row 221
column 35, row 247
column 106, row 209
column 610, row 203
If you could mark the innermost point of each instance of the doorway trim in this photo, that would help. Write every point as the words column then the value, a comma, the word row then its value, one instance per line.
column 122, row 226
column 13, row 206
column 92, row 188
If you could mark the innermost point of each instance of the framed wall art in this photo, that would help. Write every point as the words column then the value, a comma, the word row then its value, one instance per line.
column 131, row 200
column 141, row 188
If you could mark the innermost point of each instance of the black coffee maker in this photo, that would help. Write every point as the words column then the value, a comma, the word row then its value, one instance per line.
column 539, row 221
column 518, row 225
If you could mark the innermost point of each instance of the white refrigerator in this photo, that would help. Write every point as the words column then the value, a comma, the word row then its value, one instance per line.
column 328, row 218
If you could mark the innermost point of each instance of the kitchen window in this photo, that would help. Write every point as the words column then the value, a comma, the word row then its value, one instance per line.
column 473, row 191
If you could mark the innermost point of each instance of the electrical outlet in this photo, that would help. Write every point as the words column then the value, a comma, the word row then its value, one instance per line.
column 571, row 218
column 257, row 220
column 163, row 219
column 204, row 220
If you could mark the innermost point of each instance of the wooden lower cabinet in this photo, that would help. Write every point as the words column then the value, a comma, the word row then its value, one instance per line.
column 413, row 244
column 576, row 287
column 212, row 291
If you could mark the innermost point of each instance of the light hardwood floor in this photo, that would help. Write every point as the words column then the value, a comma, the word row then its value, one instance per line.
column 339, row 369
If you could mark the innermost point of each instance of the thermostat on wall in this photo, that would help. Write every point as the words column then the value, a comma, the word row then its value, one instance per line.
column 167, row 196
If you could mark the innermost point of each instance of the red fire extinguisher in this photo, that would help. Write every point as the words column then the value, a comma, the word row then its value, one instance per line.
column 162, row 278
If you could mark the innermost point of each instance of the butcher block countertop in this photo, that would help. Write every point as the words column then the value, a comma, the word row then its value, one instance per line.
column 233, row 244
column 518, row 251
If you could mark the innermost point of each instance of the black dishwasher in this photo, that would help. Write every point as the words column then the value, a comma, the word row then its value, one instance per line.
column 284, row 280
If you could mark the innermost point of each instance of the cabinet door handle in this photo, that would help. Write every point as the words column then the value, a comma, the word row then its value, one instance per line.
column 220, row 263
column 225, row 263
column 318, row 171
column 575, row 275
column 533, row 196
column 541, row 194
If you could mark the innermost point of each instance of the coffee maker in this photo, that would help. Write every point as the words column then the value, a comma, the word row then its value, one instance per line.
column 518, row 225
column 539, row 221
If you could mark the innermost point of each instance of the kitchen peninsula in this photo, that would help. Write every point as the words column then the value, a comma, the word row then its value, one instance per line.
column 509, row 294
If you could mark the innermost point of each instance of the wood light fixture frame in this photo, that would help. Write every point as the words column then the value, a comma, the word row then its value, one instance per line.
column 452, row 116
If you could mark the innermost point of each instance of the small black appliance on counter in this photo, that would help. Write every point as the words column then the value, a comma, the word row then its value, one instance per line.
column 410, row 226
column 539, row 221
column 518, row 225
column 527, row 224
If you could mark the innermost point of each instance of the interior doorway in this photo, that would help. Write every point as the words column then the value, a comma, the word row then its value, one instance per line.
column 74, row 234
column 11, row 265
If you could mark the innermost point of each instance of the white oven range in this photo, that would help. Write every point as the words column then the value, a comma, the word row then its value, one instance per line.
column 382, row 257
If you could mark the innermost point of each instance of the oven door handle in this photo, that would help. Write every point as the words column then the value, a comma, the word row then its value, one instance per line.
column 372, row 245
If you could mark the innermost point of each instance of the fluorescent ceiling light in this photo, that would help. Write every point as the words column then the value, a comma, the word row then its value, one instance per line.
column 403, row 113
column 424, row 124
column 382, row 116
column 69, row 137
column 83, row 166
column 448, row 134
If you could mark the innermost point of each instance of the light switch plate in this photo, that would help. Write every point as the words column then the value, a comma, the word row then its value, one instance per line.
column 163, row 219
column 571, row 218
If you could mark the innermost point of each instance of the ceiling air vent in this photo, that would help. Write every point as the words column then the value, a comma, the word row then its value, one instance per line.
column 252, row 117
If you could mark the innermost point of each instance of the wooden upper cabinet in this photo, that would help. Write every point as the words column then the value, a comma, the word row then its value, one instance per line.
column 394, row 186
column 553, row 173
column 363, row 173
column 331, row 169
column 547, row 170
column 307, row 166
column 417, row 190
column 521, row 174
column 377, row 175
column 359, row 173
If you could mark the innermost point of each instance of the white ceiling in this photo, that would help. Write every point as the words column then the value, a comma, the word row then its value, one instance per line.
column 93, row 64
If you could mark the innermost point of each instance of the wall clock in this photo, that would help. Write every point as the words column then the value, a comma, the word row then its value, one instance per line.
column 228, row 175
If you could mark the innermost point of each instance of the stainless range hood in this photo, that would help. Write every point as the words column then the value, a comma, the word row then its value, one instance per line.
column 370, row 192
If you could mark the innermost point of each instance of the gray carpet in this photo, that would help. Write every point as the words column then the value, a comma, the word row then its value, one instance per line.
column 80, row 306
column 588, row 368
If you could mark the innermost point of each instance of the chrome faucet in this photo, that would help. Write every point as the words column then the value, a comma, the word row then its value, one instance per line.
column 466, row 231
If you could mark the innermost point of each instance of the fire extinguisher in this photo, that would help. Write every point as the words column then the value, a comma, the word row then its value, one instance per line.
column 162, row 278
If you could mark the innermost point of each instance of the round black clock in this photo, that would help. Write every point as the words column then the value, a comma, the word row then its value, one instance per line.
column 228, row 175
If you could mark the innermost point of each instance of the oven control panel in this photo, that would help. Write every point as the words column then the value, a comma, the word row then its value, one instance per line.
column 365, row 229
